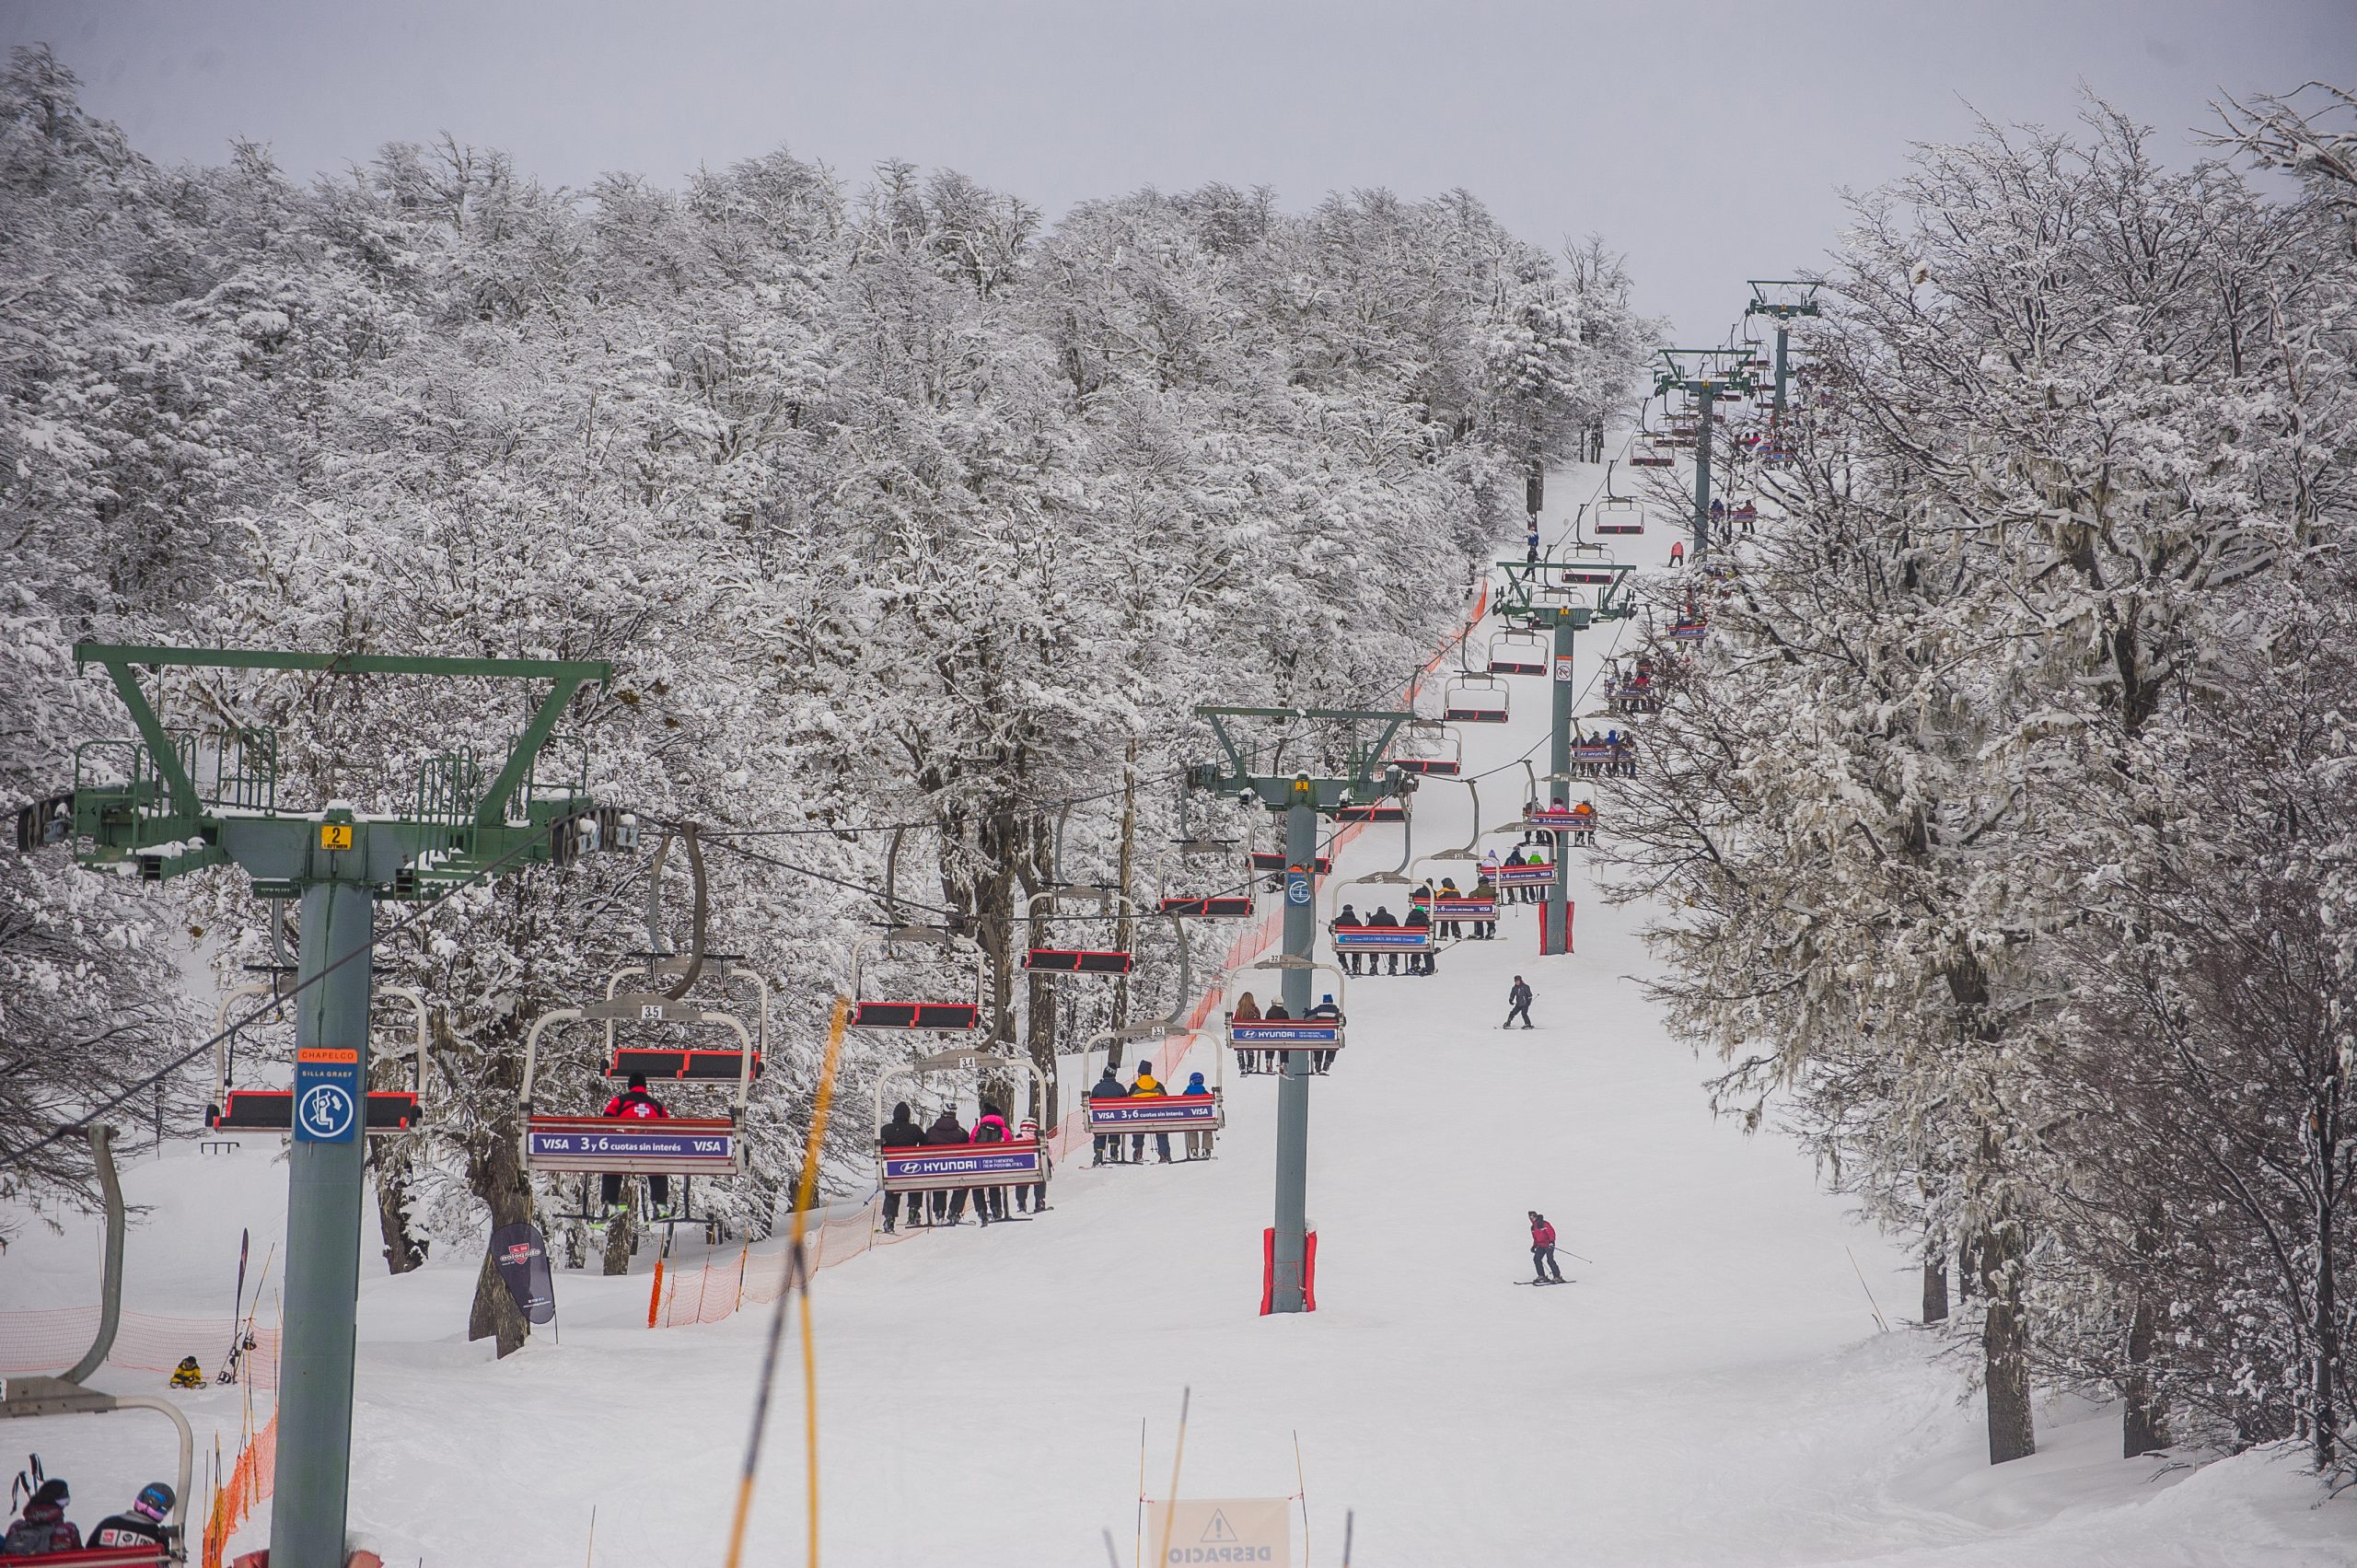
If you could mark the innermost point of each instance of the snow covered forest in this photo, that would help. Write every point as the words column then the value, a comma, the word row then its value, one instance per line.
column 2001, row 835
column 891, row 503
column 2008, row 811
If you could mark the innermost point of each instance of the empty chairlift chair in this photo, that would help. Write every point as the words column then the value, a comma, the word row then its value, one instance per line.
column 1518, row 650
column 1472, row 697
column 915, row 979
column 386, row 1112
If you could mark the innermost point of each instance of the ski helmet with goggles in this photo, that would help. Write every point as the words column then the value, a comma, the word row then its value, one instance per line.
column 154, row 1499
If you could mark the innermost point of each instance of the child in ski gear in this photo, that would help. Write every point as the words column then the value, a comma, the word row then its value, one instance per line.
column 1519, row 1001
column 635, row 1104
column 1199, row 1139
column 990, row 1203
column 188, row 1374
column 1542, row 1251
column 901, row 1133
column 1107, row 1145
column 1147, row 1083
column 142, row 1524
column 1034, row 1194
column 42, row 1528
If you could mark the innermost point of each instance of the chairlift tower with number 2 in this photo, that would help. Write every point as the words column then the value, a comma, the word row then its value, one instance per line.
column 157, row 823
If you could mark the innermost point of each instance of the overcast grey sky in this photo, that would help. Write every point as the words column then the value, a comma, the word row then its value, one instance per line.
column 1707, row 140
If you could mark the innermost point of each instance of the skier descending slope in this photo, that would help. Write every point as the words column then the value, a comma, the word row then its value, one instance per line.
column 1518, row 1004
column 1543, row 1251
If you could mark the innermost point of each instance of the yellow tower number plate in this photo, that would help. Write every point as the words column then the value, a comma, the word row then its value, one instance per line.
column 335, row 835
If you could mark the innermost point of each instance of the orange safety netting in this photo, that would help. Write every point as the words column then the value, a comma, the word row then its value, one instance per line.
column 51, row 1341
column 248, row 1486
column 722, row 1283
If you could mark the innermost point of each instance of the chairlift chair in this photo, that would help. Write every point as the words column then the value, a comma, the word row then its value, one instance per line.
column 671, row 1145
column 959, row 1011
column 941, row 1168
column 1653, row 457
column 1364, row 938
column 1474, row 698
column 385, row 1112
column 1230, row 904
column 1620, row 514
column 1292, row 1034
column 35, row 1397
column 1468, row 904
column 1041, row 958
column 1518, row 650
column 1272, row 862
column 1448, row 749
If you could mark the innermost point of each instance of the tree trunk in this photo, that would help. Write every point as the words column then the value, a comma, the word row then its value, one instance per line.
column 1125, row 932
column 2323, row 1322
column 2143, row 1429
column 500, row 1179
column 2005, row 1345
column 622, row 1230
column 404, row 1250
column 1936, row 1289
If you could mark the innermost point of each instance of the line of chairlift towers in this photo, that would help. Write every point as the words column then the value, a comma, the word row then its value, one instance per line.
column 918, row 981
column 709, row 1013
column 929, row 984
column 660, row 986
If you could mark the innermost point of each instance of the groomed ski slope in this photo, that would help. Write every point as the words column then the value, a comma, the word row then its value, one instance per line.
column 1713, row 1389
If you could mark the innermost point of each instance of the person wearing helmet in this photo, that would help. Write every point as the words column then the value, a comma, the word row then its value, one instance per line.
column 1199, row 1139
column 188, row 1374
column 42, row 1528
column 142, row 1524
column 635, row 1104
column 901, row 1132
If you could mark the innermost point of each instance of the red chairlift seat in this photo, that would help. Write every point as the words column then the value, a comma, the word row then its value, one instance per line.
column 1650, row 460
column 1076, row 960
column 679, row 1063
column 1274, row 860
column 1378, row 811
column 1237, row 906
column 110, row 1557
column 939, row 1016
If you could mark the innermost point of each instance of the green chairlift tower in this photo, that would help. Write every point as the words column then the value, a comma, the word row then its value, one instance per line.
column 1254, row 772
column 1705, row 375
column 1538, row 594
column 1784, row 301
column 170, row 804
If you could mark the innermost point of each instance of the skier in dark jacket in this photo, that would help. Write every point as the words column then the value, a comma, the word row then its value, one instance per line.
column 1519, row 1001
column 1542, row 1251
column 143, row 1525
column 901, row 1133
column 42, row 1528
column 947, row 1128
column 634, row 1103
column 1421, row 920
column 1384, row 918
column 1348, row 916
column 1106, row 1145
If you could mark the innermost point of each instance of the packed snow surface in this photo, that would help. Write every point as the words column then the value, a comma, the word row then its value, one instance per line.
column 1712, row 1389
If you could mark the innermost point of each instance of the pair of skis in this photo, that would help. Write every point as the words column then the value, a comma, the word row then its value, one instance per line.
column 242, row 1317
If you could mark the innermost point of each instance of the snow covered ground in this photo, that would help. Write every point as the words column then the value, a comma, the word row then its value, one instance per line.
column 1713, row 1389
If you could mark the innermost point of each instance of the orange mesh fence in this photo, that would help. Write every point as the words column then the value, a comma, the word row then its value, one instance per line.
column 51, row 1341
column 246, row 1487
column 725, row 1282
